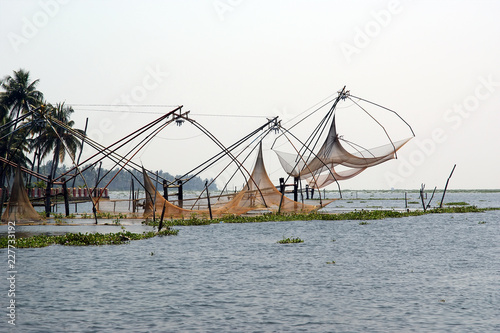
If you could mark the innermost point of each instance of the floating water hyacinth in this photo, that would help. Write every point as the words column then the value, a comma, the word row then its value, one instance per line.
column 290, row 240
column 85, row 239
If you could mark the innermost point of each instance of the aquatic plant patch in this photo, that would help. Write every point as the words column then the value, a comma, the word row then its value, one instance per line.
column 85, row 239
column 290, row 240
column 354, row 215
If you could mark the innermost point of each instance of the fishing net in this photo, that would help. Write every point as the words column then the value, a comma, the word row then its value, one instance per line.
column 319, row 168
column 259, row 194
column 19, row 208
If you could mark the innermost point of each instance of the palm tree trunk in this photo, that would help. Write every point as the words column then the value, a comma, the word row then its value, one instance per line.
column 55, row 161
column 33, row 163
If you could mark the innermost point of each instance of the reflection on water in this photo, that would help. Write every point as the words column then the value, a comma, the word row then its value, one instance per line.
column 426, row 273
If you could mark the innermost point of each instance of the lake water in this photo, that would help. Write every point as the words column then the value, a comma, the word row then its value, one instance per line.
column 432, row 273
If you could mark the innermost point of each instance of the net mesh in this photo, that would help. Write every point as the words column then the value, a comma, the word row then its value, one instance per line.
column 259, row 194
column 320, row 169
column 19, row 207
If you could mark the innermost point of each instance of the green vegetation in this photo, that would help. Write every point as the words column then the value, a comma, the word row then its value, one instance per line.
column 79, row 239
column 459, row 203
column 290, row 240
column 330, row 262
column 354, row 215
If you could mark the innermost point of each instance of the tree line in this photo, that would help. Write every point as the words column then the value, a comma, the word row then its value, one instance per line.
column 122, row 181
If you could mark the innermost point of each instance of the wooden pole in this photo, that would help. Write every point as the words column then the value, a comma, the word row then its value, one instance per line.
column 47, row 196
column 208, row 198
column 295, row 189
column 432, row 196
column 65, row 195
column 94, row 208
column 154, row 200
column 282, row 185
column 446, row 186
column 301, row 192
column 133, row 197
column 180, row 197
column 165, row 189
column 160, row 225
column 282, row 190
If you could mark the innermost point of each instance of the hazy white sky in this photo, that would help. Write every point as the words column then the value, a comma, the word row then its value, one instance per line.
column 435, row 62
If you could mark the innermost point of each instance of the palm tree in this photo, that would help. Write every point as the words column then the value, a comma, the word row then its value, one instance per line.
column 13, row 146
column 55, row 138
column 4, row 111
column 19, row 93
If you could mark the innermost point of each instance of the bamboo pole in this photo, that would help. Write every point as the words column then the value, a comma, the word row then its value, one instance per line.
column 65, row 195
column 446, row 186
column 432, row 196
column 160, row 225
column 208, row 198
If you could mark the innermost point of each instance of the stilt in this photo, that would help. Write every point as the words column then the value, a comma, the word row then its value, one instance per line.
column 133, row 197
column 432, row 196
column 47, row 196
column 208, row 199
column 65, row 195
column 165, row 189
column 282, row 185
column 160, row 225
column 446, row 186
column 295, row 189
column 180, row 196
column 94, row 208
column 154, row 200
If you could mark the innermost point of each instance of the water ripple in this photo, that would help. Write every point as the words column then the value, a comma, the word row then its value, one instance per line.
column 427, row 273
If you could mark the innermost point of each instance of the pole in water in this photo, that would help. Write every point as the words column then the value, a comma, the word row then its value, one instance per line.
column 295, row 189
column 208, row 199
column 154, row 200
column 65, row 195
column 180, row 195
column 446, row 186
column 160, row 225
column 94, row 209
column 47, row 196
column 133, row 196
column 432, row 196
column 165, row 189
